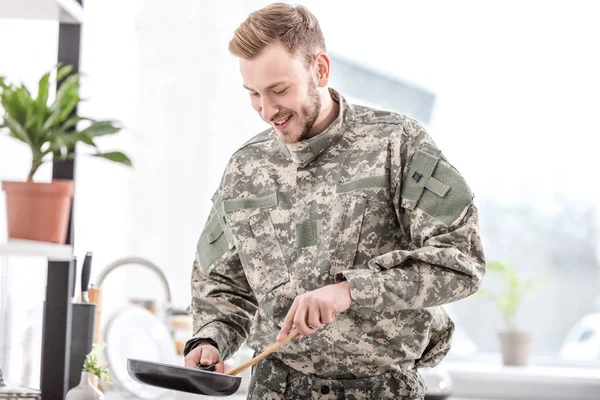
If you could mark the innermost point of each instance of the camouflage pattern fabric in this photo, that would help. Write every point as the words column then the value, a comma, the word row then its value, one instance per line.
column 372, row 199
column 273, row 380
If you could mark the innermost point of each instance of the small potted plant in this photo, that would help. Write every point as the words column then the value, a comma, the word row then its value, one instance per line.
column 514, row 342
column 40, row 211
column 86, row 390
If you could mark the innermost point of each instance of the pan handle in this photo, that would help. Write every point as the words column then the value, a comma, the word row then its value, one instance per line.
column 206, row 367
column 264, row 354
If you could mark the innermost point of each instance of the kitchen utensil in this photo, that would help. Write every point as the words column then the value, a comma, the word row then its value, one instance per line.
column 95, row 297
column 195, row 380
column 85, row 276
column 134, row 332
column 74, row 280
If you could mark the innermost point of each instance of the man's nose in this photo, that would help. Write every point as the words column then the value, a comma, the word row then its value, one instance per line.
column 268, row 110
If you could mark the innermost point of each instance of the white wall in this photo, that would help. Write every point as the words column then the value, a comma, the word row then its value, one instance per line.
column 192, row 113
column 24, row 60
column 513, row 79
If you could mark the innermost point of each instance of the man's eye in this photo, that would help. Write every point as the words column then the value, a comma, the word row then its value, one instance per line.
column 280, row 92
column 254, row 94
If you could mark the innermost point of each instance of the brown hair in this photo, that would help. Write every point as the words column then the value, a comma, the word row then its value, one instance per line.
column 293, row 26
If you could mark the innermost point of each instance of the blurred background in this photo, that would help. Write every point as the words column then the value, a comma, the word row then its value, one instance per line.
column 509, row 90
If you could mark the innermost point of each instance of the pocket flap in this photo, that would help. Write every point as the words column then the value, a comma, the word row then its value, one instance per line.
column 379, row 181
column 437, row 187
column 269, row 200
column 214, row 229
column 214, row 234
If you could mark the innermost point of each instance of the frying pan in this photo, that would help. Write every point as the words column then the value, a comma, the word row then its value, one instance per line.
column 199, row 380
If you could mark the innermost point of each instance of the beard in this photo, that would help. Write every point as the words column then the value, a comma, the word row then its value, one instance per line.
column 306, row 117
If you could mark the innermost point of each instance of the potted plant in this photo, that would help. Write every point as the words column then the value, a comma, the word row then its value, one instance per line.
column 514, row 342
column 40, row 211
column 91, row 368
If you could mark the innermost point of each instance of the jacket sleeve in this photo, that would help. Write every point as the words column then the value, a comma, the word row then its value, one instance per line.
column 222, row 303
column 441, row 259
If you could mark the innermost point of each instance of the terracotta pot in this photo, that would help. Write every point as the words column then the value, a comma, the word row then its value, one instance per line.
column 515, row 347
column 38, row 211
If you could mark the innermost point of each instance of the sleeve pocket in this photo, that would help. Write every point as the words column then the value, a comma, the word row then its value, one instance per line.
column 435, row 187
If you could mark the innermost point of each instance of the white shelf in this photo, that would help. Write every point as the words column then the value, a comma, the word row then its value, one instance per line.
column 29, row 248
column 65, row 11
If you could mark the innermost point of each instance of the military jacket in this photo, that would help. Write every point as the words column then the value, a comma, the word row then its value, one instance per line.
column 371, row 199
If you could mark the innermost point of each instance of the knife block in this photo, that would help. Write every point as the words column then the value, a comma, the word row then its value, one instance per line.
column 82, row 336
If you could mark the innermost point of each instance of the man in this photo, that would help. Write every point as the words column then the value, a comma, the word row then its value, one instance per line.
column 342, row 221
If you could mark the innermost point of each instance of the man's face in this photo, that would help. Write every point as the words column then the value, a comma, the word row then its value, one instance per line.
column 283, row 92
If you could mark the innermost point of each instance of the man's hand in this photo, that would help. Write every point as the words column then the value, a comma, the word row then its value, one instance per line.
column 315, row 309
column 204, row 354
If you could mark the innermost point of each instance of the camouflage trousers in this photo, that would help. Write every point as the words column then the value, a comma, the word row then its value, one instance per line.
column 273, row 380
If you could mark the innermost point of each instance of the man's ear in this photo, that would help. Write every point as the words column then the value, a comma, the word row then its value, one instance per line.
column 323, row 68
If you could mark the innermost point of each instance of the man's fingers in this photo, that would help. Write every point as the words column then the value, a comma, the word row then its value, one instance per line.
column 204, row 354
column 220, row 367
column 287, row 322
column 210, row 355
column 314, row 317
column 300, row 319
column 193, row 357
column 327, row 315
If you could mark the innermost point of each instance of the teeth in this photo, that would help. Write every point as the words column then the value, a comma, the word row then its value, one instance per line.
column 283, row 121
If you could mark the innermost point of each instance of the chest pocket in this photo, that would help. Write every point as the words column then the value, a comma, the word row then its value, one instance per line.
column 258, row 247
column 363, row 224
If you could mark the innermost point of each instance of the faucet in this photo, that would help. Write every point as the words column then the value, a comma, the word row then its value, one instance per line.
column 140, row 261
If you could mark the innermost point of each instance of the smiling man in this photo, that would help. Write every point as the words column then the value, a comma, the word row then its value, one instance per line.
column 344, row 222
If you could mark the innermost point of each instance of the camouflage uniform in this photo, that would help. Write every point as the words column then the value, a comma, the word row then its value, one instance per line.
column 371, row 199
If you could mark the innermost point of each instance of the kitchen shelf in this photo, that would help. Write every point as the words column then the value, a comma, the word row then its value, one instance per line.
column 56, row 336
column 30, row 248
column 65, row 11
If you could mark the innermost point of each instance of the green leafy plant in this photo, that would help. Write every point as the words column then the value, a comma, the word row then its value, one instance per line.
column 51, row 130
column 510, row 299
column 90, row 365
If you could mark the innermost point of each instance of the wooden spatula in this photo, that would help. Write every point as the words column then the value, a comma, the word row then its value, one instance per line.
column 264, row 354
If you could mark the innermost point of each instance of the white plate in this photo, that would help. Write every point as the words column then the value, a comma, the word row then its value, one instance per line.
column 135, row 332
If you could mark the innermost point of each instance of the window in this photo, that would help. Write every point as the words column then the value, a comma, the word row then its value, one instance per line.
column 509, row 93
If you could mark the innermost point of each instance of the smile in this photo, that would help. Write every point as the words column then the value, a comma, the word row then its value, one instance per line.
column 282, row 123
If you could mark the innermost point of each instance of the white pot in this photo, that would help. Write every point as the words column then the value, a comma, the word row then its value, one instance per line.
column 515, row 347
column 85, row 390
